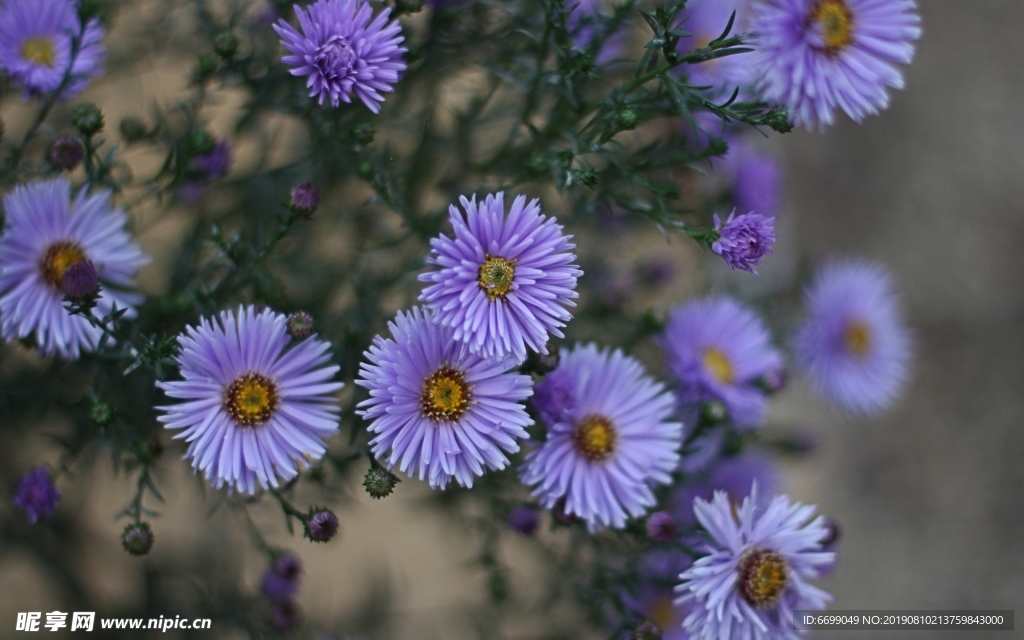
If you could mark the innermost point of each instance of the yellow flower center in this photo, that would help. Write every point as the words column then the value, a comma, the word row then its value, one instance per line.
column 594, row 437
column 495, row 276
column 764, row 576
column 251, row 399
column 445, row 395
column 717, row 364
column 60, row 257
column 857, row 338
column 38, row 50
column 836, row 21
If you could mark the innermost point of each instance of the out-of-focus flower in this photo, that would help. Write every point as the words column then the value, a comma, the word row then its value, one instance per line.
column 322, row 525
column 281, row 581
column 215, row 163
column 253, row 408
column 718, row 349
column 816, row 56
column 437, row 410
column 584, row 27
column 706, row 20
column 523, row 519
column 554, row 397
column 735, row 475
column 756, row 573
column 42, row 40
column 47, row 233
column 661, row 526
column 756, row 179
column 343, row 50
column 36, row 495
column 65, row 153
column 504, row 282
column 854, row 346
column 618, row 441
column 743, row 240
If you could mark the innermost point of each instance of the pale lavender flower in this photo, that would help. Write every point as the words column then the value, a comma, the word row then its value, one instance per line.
column 816, row 56
column 756, row 571
column 854, row 346
column 47, row 233
column 37, row 45
column 254, row 409
column 743, row 240
column 504, row 282
column 437, row 410
column 705, row 20
column 36, row 495
column 718, row 349
column 344, row 49
column 619, row 440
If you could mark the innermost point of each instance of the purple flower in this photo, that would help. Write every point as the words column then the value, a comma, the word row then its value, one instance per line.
column 344, row 52
column 504, row 282
column 757, row 179
column 65, row 153
column 705, row 20
column 585, row 26
column 287, row 614
column 756, row 571
column 814, row 56
column 718, row 349
column 436, row 409
column 661, row 526
column 305, row 197
column 281, row 581
column 618, row 440
column 734, row 475
column 80, row 282
column 37, row 496
column 554, row 397
column 215, row 163
column 254, row 409
column 47, row 233
column 742, row 241
column 854, row 346
column 523, row 519
column 37, row 45
column 322, row 525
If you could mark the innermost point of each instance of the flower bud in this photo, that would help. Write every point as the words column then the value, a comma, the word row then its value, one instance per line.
column 365, row 170
column 101, row 413
column 206, row 66
column 87, row 118
column 133, row 129
column 661, row 527
column 363, row 134
column 778, row 119
column 65, row 153
column 627, row 119
column 379, row 482
column 225, row 44
column 36, row 495
column 299, row 325
column 647, row 631
column 305, row 198
column 80, row 282
column 523, row 519
column 203, row 142
column 137, row 538
column 322, row 525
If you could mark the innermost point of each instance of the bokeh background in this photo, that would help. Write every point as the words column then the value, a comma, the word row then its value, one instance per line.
column 928, row 495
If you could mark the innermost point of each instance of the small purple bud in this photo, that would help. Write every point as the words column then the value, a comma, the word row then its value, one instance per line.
column 305, row 198
column 647, row 631
column 137, row 538
column 523, row 519
column 322, row 525
column 743, row 240
column 80, row 282
column 287, row 614
column 281, row 581
column 661, row 526
column 288, row 566
column 65, row 153
column 300, row 325
column 36, row 495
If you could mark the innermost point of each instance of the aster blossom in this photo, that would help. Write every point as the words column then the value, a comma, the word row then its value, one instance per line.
column 816, row 56
column 42, row 41
column 436, row 409
column 853, row 345
column 743, row 240
column 719, row 349
column 617, row 441
column 756, row 571
column 504, row 282
column 37, row 496
column 254, row 409
column 49, row 232
column 344, row 49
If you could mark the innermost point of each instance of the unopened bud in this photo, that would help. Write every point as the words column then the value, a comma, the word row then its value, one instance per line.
column 133, row 129
column 661, row 526
column 523, row 519
column 299, row 325
column 225, row 44
column 65, row 153
column 322, row 525
column 628, row 119
column 87, row 118
column 137, row 538
column 363, row 134
column 101, row 413
column 80, row 282
column 305, row 198
column 379, row 482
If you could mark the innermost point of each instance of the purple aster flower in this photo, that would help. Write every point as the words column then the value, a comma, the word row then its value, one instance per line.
column 37, row 45
column 736, row 476
column 757, row 179
column 616, row 442
column 37, row 496
column 854, row 346
column 742, row 241
column 254, row 409
column 815, row 56
column 756, row 571
column 523, row 519
column 705, row 20
column 718, row 349
column 343, row 51
column 585, row 26
column 47, row 233
column 504, row 282
column 214, row 164
column 436, row 409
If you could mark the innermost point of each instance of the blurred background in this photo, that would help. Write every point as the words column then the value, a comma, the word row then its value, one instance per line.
column 928, row 495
